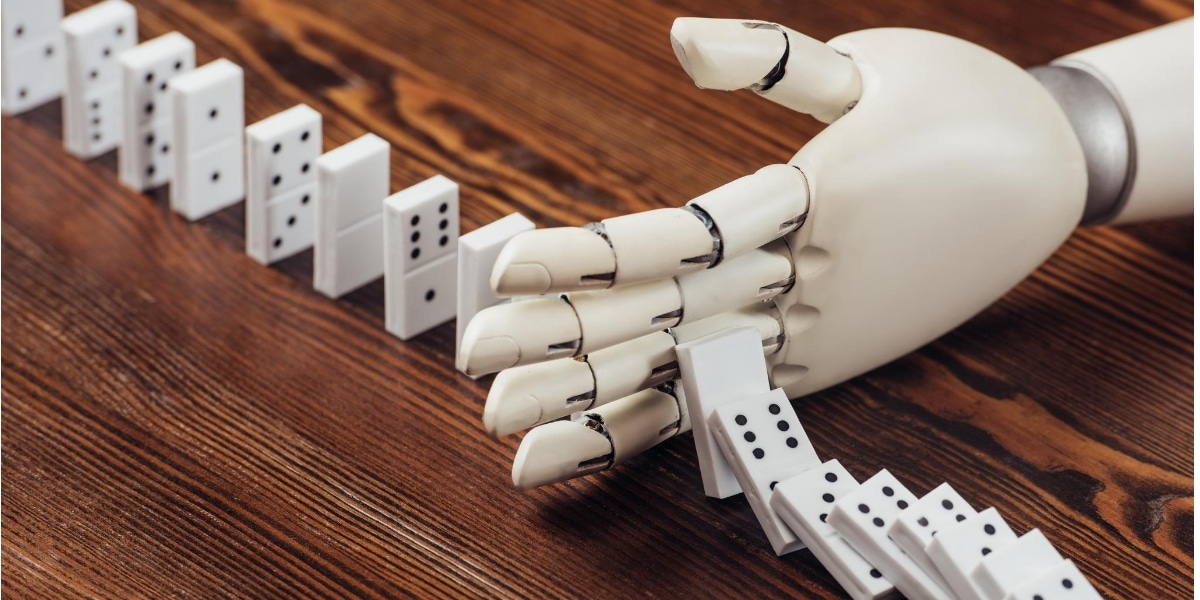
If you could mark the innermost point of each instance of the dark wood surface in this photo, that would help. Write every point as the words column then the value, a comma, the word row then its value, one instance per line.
column 180, row 421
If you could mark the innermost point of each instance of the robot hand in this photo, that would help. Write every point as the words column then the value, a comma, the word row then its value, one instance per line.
column 946, row 175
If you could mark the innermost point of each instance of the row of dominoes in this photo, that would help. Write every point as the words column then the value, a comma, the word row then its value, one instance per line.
column 174, row 123
column 876, row 538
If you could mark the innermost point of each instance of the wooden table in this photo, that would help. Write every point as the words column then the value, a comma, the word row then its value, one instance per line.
column 178, row 420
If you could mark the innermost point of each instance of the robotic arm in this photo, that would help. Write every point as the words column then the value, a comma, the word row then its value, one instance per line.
column 946, row 176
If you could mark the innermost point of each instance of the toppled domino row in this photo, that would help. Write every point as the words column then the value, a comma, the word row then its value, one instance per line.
column 876, row 538
column 175, row 123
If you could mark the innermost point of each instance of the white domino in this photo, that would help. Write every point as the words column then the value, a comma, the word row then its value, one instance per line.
column 717, row 369
column 92, row 39
column 863, row 516
column 352, row 181
column 1063, row 582
column 916, row 525
column 477, row 254
column 207, row 107
column 144, row 158
column 803, row 502
column 31, row 53
column 1015, row 565
column 764, row 443
column 958, row 549
column 421, row 237
column 281, row 183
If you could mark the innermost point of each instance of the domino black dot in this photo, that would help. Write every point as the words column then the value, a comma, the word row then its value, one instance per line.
column 149, row 108
column 212, row 114
column 276, row 148
column 740, row 419
column 149, row 77
column 986, row 551
column 792, row 442
column 162, row 87
column 23, row 92
column 948, row 505
column 305, row 199
column 291, row 220
column 414, row 220
column 278, row 242
column 923, row 522
column 20, row 30
column 95, row 104
column 824, row 516
column 758, row 453
column 276, row 180
column 443, row 208
column 150, row 170
column 1038, row 597
column 95, row 120
column 107, row 52
column 96, row 136
column 1067, row 583
column 443, row 224
column 416, row 235
column 304, row 136
column 888, row 491
column 178, row 65
column 989, row 529
column 902, row 504
column 749, row 436
column 774, row 408
column 429, row 296
column 877, row 521
column 864, row 509
column 415, row 253
column 304, row 168
column 783, row 425
column 876, row 574
column 50, row 52
column 216, row 175
column 443, row 241
column 166, row 148
column 827, row 497
column 93, row 74
column 773, row 484
column 831, row 477
column 959, row 518
column 120, row 31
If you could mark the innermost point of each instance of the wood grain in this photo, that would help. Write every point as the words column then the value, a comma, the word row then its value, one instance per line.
column 179, row 421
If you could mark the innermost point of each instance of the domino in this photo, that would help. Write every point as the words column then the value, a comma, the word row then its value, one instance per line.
column 208, row 115
column 1063, row 582
column 144, row 154
column 956, row 550
column 421, row 236
column 916, row 525
column 477, row 254
column 92, row 39
column 281, row 183
column 31, row 54
column 764, row 443
column 352, row 181
column 803, row 502
column 863, row 516
column 1015, row 565
column 717, row 369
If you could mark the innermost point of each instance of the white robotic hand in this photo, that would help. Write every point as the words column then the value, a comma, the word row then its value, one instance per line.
column 946, row 176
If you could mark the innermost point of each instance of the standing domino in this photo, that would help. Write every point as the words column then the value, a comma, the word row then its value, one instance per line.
column 1064, row 582
column 31, row 53
column 1015, row 565
column 915, row 527
column 144, row 157
column 421, row 237
column 803, row 502
column 477, row 253
column 281, row 183
column 763, row 441
column 862, row 517
column 957, row 550
column 93, row 37
column 208, row 112
column 717, row 369
column 352, row 181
